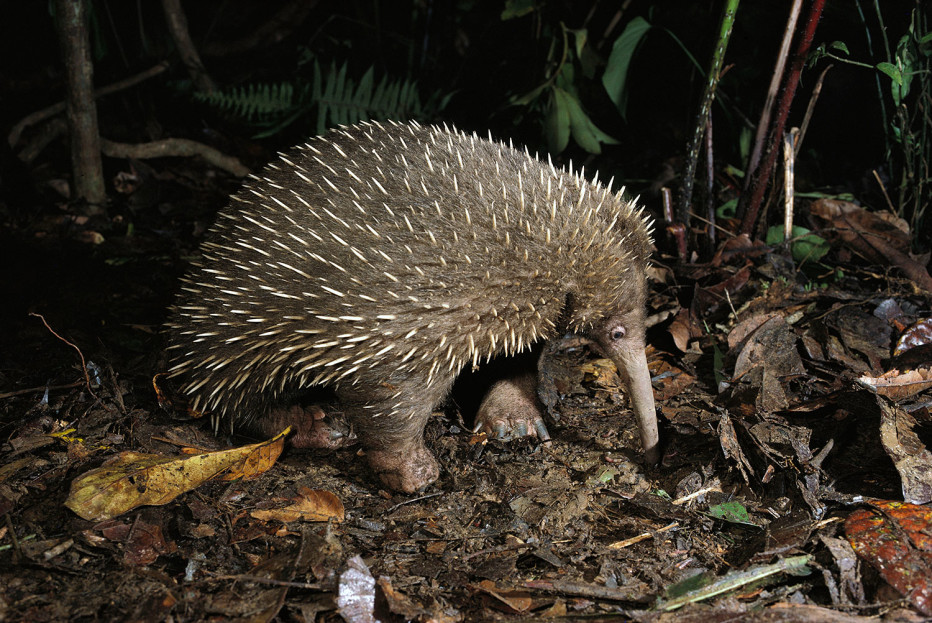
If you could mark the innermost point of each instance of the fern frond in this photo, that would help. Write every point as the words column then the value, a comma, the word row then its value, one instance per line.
column 337, row 98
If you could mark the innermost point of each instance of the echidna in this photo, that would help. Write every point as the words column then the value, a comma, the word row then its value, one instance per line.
column 382, row 259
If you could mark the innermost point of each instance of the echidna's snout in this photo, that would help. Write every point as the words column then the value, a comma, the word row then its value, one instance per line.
column 621, row 338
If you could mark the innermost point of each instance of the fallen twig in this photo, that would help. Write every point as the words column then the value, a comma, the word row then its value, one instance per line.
column 170, row 147
column 87, row 377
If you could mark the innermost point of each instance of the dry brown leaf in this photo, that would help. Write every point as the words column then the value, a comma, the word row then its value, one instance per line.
column 516, row 601
column 897, row 385
column 668, row 380
column 740, row 332
column 683, row 328
column 601, row 372
column 877, row 239
column 312, row 505
column 133, row 479
column 910, row 456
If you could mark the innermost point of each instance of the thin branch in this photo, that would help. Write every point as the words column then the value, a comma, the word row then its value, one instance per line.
column 816, row 91
column 87, row 377
column 178, row 27
column 175, row 147
column 57, row 109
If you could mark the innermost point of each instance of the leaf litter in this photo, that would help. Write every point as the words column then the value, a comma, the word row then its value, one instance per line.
column 794, row 482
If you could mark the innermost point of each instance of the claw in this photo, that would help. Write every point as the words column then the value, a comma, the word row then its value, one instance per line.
column 511, row 410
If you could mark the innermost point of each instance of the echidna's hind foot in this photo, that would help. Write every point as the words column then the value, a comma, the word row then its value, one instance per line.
column 311, row 426
column 511, row 409
column 407, row 467
column 389, row 416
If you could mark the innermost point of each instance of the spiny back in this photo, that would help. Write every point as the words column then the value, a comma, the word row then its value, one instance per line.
column 402, row 246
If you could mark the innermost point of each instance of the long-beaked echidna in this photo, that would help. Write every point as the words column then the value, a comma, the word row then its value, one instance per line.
column 383, row 258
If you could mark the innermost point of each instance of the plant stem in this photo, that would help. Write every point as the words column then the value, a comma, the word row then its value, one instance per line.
column 702, row 119
column 778, row 69
column 751, row 201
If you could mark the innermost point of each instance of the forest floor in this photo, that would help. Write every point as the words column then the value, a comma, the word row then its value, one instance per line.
column 782, row 473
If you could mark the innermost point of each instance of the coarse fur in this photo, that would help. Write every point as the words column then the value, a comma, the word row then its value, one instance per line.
column 383, row 258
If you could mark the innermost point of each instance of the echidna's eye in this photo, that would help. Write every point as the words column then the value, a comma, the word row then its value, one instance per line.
column 617, row 333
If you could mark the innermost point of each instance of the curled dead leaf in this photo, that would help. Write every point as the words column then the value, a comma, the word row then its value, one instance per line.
column 310, row 505
column 897, row 385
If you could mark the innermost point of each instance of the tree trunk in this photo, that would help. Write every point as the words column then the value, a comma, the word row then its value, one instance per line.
column 80, row 106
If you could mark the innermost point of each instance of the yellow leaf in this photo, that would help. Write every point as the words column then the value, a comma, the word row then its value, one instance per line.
column 133, row 479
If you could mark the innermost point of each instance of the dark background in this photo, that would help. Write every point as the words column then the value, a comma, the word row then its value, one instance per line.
column 106, row 282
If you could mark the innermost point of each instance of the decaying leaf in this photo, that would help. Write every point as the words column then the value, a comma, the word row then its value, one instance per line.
column 701, row 587
column 311, row 505
column 919, row 334
column 510, row 600
column 133, row 479
column 356, row 596
column 894, row 538
column 404, row 606
column 772, row 345
column 684, row 328
column 600, row 372
column 911, row 458
column 143, row 542
column 897, row 385
column 880, row 240
column 669, row 380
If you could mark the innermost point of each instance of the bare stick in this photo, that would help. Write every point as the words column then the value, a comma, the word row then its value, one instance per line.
column 175, row 147
column 789, row 161
column 752, row 200
column 816, row 90
column 883, row 189
column 764, row 124
column 32, row 390
column 178, row 27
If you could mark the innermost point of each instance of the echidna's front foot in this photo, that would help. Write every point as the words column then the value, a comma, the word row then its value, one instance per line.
column 404, row 467
column 511, row 409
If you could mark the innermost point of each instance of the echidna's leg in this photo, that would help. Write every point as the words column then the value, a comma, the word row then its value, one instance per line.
column 389, row 418
column 512, row 409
